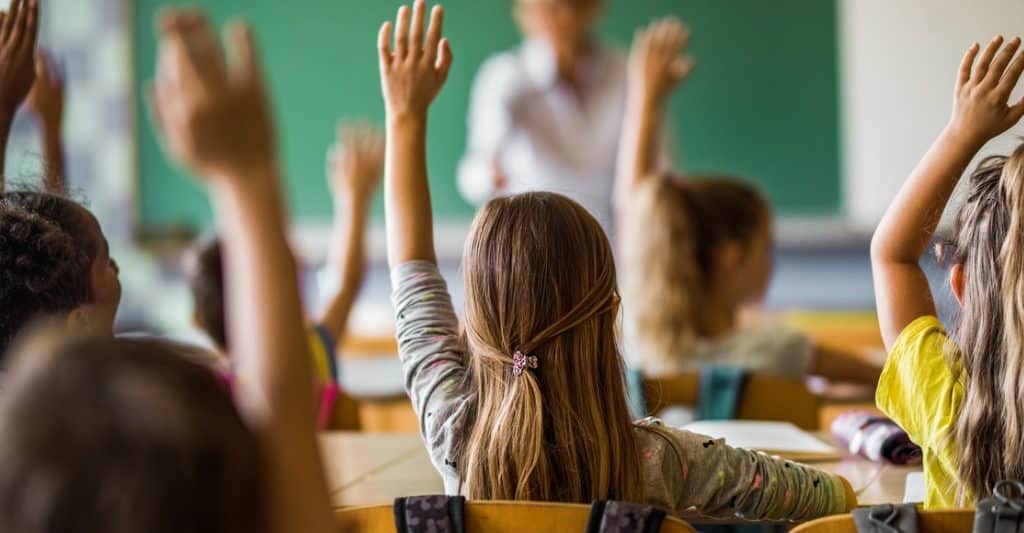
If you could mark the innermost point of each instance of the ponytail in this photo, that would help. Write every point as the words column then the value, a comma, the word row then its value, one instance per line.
column 670, row 238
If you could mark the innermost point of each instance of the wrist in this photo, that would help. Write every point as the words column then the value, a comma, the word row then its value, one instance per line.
column 406, row 119
column 960, row 135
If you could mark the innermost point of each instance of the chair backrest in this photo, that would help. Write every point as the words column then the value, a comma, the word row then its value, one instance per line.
column 494, row 517
column 951, row 521
column 763, row 398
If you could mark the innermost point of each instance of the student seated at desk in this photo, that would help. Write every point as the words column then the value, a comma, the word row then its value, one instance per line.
column 959, row 395
column 696, row 251
column 355, row 168
column 101, row 434
column 530, row 403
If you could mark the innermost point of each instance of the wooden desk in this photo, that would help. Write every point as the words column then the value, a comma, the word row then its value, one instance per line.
column 365, row 469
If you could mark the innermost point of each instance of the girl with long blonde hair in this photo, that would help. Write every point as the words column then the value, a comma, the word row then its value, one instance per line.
column 530, row 403
column 697, row 250
column 960, row 395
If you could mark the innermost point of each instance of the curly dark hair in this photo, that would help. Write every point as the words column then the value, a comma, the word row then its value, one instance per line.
column 46, row 256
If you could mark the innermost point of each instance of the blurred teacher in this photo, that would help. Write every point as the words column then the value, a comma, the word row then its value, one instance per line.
column 547, row 115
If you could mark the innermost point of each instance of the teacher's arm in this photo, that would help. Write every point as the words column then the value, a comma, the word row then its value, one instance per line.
column 490, row 122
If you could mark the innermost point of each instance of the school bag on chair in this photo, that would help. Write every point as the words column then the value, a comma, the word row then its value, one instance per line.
column 1002, row 512
column 446, row 514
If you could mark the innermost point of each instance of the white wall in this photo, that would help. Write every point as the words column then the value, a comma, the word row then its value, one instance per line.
column 899, row 60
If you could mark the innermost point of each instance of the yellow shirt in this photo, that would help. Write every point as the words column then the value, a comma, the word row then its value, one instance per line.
column 919, row 390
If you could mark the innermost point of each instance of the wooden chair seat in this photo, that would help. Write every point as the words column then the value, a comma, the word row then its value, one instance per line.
column 951, row 521
column 763, row 398
column 494, row 517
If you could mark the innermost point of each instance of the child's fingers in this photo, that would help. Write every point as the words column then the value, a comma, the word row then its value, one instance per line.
column 402, row 32
column 18, row 10
column 998, row 66
column 981, row 67
column 384, row 43
column 31, row 31
column 434, row 32
column 966, row 64
column 444, row 59
column 682, row 67
column 416, row 31
column 246, row 52
column 1011, row 76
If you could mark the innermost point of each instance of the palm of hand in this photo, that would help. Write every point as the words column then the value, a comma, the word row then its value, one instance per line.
column 981, row 107
column 18, row 30
column 413, row 73
column 657, row 61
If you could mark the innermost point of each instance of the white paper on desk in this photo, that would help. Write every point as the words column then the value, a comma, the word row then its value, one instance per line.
column 765, row 436
column 915, row 491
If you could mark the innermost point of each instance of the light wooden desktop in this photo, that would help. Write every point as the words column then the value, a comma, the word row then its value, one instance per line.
column 366, row 469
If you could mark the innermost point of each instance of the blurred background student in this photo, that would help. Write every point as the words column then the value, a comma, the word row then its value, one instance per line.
column 546, row 116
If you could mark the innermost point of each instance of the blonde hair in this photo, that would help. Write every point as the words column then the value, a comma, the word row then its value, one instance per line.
column 674, row 228
column 989, row 339
column 540, row 279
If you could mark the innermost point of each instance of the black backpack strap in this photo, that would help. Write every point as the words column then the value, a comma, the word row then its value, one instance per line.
column 1003, row 512
column 886, row 519
column 439, row 513
column 622, row 517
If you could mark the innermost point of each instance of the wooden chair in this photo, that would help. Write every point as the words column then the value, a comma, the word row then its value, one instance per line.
column 762, row 398
column 929, row 522
column 494, row 517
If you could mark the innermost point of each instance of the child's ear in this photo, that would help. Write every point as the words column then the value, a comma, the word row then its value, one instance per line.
column 730, row 257
column 956, row 282
column 78, row 322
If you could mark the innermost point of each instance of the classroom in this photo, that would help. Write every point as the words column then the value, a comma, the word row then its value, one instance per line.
column 548, row 265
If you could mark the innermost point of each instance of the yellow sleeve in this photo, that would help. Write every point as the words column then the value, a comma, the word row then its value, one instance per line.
column 323, row 369
column 918, row 388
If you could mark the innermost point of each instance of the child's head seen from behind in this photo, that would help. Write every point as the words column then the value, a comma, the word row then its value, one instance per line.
column 541, row 288
column 987, row 278
column 54, row 262
column 689, row 244
column 145, row 441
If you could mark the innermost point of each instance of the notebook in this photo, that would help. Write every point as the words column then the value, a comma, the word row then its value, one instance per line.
column 915, row 488
column 774, row 438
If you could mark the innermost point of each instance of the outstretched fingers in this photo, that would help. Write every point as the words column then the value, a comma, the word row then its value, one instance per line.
column 416, row 30
column 402, row 33
column 444, row 59
column 1002, row 59
column 384, row 43
column 432, row 47
column 985, row 60
column 966, row 64
column 1012, row 76
column 239, row 36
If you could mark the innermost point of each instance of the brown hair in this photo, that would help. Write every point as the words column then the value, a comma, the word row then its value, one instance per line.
column 540, row 279
column 989, row 337
column 119, row 436
column 205, row 272
column 670, row 238
column 46, row 256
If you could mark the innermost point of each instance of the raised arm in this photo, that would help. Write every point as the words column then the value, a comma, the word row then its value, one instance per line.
column 19, row 28
column 980, row 112
column 412, row 74
column 217, row 124
column 46, row 102
column 657, row 65
column 354, row 171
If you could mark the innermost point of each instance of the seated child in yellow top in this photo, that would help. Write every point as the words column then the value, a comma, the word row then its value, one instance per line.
column 960, row 396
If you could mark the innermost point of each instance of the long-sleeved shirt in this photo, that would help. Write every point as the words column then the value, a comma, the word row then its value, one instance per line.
column 542, row 134
column 681, row 471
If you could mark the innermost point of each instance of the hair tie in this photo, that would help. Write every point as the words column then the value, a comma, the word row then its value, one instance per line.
column 521, row 361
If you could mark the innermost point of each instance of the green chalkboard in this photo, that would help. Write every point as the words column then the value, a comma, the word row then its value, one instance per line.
column 762, row 103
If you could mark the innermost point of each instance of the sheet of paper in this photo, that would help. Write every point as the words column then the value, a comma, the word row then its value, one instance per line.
column 777, row 437
column 914, row 491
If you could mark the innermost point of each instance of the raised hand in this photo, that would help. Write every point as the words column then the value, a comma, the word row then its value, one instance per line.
column 658, row 62
column 980, row 106
column 213, row 115
column 415, row 70
column 19, row 28
column 46, row 99
column 356, row 162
